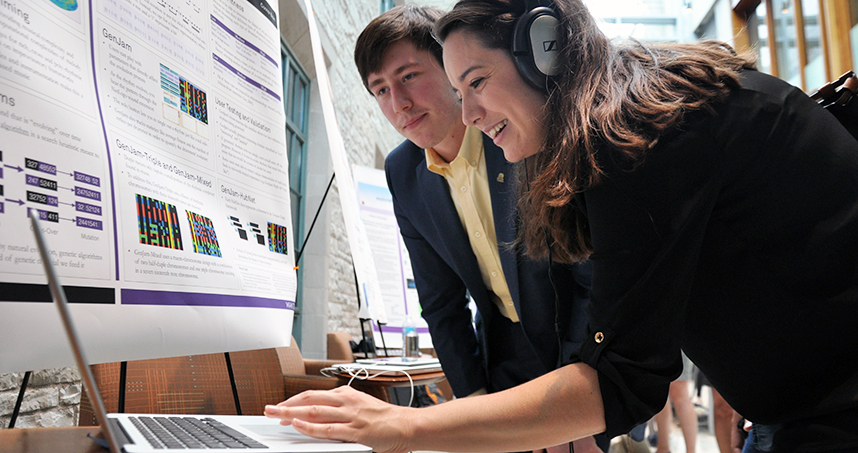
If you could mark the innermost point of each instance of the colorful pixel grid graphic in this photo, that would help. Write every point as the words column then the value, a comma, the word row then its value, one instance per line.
column 277, row 239
column 158, row 223
column 193, row 101
column 203, row 235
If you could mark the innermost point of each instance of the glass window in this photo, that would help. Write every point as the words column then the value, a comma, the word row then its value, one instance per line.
column 642, row 28
column 853, row 31
column 296, row 101
column 646, row 20
column 786, row 46
column 654, row 32
column 707, row 29
column 758, row 29
column 814, row 69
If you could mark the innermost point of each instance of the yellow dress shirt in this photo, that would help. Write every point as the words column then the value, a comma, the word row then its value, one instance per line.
column 467, row 178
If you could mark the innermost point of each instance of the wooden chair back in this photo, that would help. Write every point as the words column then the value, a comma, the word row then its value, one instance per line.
column 339, row 346
column 258, row 379
column 197, row 384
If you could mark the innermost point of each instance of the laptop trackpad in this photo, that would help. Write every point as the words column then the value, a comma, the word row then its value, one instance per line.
column 279, row 432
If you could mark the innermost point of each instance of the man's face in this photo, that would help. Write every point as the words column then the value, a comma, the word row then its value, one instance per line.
column 414, row 94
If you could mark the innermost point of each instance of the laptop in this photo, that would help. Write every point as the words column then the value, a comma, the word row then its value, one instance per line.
column 144, row 433
column 393, row 366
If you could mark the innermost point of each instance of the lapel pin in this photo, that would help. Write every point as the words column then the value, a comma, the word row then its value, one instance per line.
column 500, row 177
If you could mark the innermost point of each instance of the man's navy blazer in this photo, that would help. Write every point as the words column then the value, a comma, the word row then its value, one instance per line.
column 445, row 268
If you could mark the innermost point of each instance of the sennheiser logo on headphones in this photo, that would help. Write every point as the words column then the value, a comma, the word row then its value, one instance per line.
column 549, row 46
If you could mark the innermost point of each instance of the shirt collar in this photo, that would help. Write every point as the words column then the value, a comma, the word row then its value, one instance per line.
column 470, row 153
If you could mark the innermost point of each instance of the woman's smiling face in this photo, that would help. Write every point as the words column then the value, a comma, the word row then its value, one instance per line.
column 494, row 96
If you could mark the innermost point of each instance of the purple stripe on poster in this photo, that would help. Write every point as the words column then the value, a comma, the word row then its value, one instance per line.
column 89, row 223
column 32, row 180
column 52, row 201
column 87, row 193
column 80, row 206
column 242, row 40
column 145, row 297
column 392, row 329
column 270, row 93
column 245, row 78
column 2, row 208
column 87, row 179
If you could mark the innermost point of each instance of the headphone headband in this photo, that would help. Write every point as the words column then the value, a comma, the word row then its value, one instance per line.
column 532, row 4
column 534, row 44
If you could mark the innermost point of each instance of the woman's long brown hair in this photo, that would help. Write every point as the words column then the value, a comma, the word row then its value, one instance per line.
column 609, row 98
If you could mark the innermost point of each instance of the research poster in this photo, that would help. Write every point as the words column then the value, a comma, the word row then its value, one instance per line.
column 148, row 136
column 392, row 262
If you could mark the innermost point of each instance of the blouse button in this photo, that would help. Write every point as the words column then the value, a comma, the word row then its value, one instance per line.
column 600, row 337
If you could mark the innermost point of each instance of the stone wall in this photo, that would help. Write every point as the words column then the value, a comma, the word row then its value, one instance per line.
column 52, row 398
column 365, row 133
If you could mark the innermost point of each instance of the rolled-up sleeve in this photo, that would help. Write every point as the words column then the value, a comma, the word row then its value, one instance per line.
column 738, row 231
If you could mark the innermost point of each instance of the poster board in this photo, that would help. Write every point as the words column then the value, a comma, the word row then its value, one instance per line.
column 149, row 137
column 392, row 262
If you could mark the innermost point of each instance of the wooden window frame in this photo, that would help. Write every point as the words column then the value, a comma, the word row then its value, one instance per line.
column 834, row 23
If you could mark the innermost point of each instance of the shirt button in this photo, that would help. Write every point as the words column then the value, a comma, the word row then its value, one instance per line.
column 464, row 189
column 478, row 234
column 600, row 337
column 494, row 274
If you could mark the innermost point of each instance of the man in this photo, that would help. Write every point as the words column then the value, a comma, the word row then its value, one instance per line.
column 454, row 200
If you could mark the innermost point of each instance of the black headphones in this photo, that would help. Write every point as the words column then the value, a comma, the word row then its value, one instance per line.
column 534, row 44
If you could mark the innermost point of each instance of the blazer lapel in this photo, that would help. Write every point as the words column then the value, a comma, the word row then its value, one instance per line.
column 442, row 212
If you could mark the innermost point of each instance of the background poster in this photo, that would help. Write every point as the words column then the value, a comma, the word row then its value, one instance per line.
column 149, row 136
column 392, row 262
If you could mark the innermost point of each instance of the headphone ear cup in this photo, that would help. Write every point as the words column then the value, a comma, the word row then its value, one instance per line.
column 535, row 46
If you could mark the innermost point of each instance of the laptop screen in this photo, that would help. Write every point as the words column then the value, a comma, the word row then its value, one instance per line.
column 80, row 359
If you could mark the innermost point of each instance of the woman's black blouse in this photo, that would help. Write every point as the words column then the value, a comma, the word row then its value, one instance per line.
column 736, row 240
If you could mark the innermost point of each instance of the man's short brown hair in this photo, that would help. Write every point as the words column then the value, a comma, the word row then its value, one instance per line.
column 411, row 22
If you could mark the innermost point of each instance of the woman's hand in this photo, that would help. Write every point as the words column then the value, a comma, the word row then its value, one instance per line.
column 554, row 408
column 348, row 415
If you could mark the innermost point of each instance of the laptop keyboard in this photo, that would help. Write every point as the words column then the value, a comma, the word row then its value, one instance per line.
column 191, row 432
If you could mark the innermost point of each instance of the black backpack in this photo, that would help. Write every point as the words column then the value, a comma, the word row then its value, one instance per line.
column 838, row 97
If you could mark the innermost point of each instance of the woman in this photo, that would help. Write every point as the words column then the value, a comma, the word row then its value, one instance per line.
column 719, row 207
